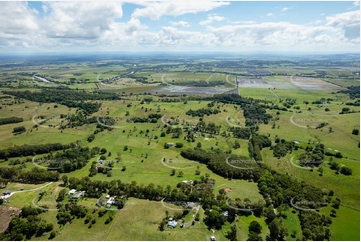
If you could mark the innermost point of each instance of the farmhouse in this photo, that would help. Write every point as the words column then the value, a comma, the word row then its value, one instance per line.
column 78, row 194
column 190, row 182
column 110, row 202
column 190, row 205
column 210, row 183
column 172, row 223
column 72, row 191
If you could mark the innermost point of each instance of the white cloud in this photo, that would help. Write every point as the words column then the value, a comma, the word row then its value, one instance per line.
column 284, row 9
column 26, row 45
column 155, row 10
column 80, row 19
column 180, row 24
column 356, row 3
column 242, row 22
column 45, row 8
column 211, row 18
column 281, row 35
column 18, row 18
column 349, row 22
column 269, row 14
column 317, row 22
column 92, row 25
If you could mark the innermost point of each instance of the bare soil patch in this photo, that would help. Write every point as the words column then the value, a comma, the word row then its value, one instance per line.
column 257, row 82
column 6, row 215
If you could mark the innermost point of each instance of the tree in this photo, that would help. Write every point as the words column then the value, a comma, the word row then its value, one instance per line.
column 172, row 172
column 109, row 173
column 61, row 195
column 91, row 138
column 52, row 235
column 346, row 171
column 336, row 204
column 19, row 130
column 277, row 230
column 255, row 227
column 162, row 134
column 333, row 212
column 355, row 131
column 236, row 145
column 199, row 145
column 269, row 214
column 103, row 151
column 65, row 179
column 232, row 235
column 161, row 225
column 180, row 174
column 252, row 236
column 320, row 170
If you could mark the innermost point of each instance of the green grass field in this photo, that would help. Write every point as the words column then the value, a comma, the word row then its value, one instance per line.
column 143, row 159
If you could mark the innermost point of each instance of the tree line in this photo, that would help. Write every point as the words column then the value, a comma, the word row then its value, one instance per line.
column 26, row 150
column 67, row 97
column 11, row 120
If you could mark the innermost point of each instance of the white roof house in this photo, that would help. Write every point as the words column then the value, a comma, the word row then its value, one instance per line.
column 72, row 191
column 172, row 223
column 110, row 202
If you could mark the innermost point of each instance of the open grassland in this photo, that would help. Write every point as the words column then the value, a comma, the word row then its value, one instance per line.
column 292, row 223
column 343, row 82
column 308, row 95
column 144, row 161
column 258, row 93
column 147, row 161
column 292, row 126
column 138, row 220
column 346, row 187
column 346, row 225
column 25, row 197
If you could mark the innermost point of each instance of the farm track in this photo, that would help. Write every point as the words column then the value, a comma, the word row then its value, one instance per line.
column 234, row 84
column 165, row 82
column 274, row 93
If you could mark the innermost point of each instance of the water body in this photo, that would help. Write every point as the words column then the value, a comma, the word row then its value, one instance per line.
column 42, row 79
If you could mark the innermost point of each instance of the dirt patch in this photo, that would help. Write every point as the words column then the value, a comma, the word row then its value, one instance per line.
column 228, row 189
column 6, row 215
column 308, row 83
column 256, row 82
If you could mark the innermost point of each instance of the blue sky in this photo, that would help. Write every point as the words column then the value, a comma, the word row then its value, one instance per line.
column 136, row 25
